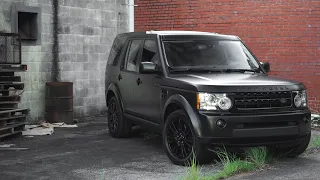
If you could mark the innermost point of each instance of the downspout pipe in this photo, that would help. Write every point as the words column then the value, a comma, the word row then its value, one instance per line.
column 55, row 46
column 131, row 15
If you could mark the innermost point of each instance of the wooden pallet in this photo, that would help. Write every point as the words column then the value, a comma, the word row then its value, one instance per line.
column 17, row 86
column 10, row 98
column 8, row 106
column 10, row 78
column 12, row 122
column 10, row 92
column 11, row 130
column 13, row 67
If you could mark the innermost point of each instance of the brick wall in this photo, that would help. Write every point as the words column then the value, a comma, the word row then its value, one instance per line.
column 285, row 33
column 86, row 32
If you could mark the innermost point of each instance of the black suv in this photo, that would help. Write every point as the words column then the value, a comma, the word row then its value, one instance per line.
column 202, row 91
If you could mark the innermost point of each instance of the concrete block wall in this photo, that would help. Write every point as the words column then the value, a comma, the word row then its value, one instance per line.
column 87, row 30
column 86, row 33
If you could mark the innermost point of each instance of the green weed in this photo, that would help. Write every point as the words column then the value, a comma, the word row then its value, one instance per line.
column 255, row 158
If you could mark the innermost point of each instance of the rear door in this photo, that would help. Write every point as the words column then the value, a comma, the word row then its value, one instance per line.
column 128, row 74
column 147, row 91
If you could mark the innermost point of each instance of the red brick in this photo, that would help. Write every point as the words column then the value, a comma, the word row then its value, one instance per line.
column 286, row 33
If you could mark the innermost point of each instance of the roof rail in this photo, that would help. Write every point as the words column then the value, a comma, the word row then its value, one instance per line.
column 149, row 32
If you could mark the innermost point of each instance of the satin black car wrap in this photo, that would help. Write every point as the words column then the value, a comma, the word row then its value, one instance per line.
column 263, row 108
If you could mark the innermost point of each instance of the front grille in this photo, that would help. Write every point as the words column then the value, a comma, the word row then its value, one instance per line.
column 260, row 100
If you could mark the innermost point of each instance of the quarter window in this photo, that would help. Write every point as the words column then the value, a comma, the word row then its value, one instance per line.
column 115, row 52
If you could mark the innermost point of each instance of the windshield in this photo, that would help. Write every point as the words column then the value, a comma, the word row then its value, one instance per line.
column 217, row 55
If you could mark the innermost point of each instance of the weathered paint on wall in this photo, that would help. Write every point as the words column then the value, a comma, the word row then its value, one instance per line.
column 86, row 32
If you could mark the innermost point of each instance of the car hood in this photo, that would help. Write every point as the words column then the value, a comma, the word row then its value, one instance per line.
column 237, row 82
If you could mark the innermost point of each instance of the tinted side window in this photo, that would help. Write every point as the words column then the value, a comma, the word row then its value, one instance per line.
column 132, row 55
column 150, row 52
column 115, row 51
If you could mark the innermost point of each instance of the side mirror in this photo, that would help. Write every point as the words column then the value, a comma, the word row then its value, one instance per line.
column 148, row 68
column 266, row 66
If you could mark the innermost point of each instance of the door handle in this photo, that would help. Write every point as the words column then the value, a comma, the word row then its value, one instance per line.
column 119, row 77
column 139, row 81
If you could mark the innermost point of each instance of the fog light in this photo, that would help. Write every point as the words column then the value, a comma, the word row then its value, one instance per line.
column 221, row 123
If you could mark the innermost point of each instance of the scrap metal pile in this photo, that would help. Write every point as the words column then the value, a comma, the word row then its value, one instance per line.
column 12, row 119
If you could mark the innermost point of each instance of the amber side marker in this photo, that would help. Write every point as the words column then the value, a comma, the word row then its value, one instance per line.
column 198, row 101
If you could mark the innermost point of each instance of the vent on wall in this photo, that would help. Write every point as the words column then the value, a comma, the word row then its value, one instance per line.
column 28, row 25
column 26, row 21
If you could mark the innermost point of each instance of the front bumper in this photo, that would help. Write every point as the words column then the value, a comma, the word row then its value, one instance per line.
column 255, row 130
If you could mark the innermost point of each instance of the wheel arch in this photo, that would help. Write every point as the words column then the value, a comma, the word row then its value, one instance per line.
column 176, row 102
column 113, row 90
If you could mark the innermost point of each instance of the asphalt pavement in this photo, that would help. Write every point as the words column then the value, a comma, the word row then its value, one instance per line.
column 89, row 153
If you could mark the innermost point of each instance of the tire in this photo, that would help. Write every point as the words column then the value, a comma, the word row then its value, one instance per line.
column 181, row 144
column 292, row 150
column 119, row 127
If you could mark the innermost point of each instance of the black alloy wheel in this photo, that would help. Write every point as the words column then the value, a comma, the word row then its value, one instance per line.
column 181, row 144
column 113, row 119
column 118, row 125
column 180, row 138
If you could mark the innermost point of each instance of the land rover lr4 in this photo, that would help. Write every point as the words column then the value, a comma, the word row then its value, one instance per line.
column 202, row 91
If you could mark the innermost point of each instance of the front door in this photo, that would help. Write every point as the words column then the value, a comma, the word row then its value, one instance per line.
column 128, row 75
column 146, row 89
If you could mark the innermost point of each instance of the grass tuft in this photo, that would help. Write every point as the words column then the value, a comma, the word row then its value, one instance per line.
column 233, row 167
column 316, row 142
column 193, row 172
column 255, row 158
column 258, row 156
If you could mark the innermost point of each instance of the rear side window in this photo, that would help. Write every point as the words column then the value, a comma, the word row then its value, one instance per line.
column 132, row 55
column 115, row 51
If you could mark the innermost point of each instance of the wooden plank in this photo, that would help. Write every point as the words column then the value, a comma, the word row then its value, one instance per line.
column 9, row 102
column 10, row 78
column 13, row 117
column 10, row 98
column 6, row 73
column 13, row 67
column 9, row 106
column 11, row 83
column 12, row 126
column 10, row 134
column 16, row 86
column 15, row 110
column 10, row 92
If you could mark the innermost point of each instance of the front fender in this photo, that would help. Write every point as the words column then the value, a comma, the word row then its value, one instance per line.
column 114, row 88
column 183, row 103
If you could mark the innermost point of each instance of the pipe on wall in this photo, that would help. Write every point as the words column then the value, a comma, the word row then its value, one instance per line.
column 55, row 46
column 131, row 15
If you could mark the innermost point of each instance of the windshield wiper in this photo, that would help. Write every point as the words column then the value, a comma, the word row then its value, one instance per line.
column 241, row 70
column 214, row 69
column 192, row 70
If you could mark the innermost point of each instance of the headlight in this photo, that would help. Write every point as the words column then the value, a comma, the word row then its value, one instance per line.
column 300, row 98
column 206, row 101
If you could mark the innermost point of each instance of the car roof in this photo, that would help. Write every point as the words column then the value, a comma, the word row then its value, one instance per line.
column 172, row 35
